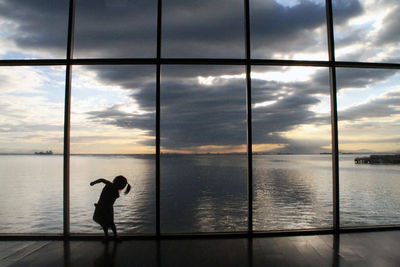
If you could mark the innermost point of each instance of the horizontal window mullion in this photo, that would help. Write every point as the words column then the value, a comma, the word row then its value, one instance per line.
column 195, row 61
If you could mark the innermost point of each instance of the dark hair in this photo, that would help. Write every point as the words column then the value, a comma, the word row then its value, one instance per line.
column 120, row 181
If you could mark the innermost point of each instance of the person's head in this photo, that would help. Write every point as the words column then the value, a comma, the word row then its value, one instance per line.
column 120, row 182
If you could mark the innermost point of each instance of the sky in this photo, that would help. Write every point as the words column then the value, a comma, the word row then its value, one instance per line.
column 203, row 108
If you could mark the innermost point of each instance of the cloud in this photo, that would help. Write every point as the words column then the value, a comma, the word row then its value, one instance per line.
column 106, row 29
column 284, row 30
column 344, row 10
column 369, row 34
column 199, row 115
column 195, row 114
column 360, row 78
column 380, row 107
column 390, row 33
column 113, row 116
column 40, row 27
column 190, row 29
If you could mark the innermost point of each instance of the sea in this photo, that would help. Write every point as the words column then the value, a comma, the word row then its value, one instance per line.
column 198, row 193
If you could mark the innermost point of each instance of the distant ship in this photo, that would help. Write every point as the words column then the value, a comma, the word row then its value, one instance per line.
column 48, row 152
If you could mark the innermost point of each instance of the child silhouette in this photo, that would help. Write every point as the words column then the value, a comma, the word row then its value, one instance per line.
column 104, row 211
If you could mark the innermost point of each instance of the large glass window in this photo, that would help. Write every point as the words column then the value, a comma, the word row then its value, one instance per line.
column 112, row 133
column 291, row 148
column 369, row 134
column 202, row 122
column 31, row 147
column 203, row 137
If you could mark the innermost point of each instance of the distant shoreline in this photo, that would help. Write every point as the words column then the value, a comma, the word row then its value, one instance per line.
column 202, row 154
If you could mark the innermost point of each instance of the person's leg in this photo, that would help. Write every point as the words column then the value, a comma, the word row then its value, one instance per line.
column 114, row 229
column 105, row 229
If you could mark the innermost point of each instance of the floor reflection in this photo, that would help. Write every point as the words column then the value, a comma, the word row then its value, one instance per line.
column 108, row 256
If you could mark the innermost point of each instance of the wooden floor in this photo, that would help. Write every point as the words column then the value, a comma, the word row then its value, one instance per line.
column 355, row 249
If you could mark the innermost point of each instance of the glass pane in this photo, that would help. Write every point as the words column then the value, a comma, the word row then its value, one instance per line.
column 33, row 29
column 292, row 174
column 369, row 128
column 112, row 133
column 203, row 145
column 115, row 28
column 203, row 29
column 367, row 30
column 31, row 148
column 283, row 29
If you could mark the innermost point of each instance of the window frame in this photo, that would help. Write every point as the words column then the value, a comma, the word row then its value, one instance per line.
column 246, row 62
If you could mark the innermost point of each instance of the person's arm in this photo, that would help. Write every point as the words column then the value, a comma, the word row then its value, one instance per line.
column 101, row 180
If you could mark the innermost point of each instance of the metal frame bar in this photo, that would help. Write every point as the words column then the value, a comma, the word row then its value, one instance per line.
column 249, row 121
column 334, row 120
column 228, row 235
column 247, row 62
column 67, row 120
column 158, row 120
column 196, row 61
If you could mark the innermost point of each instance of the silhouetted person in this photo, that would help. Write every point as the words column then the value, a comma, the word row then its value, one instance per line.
column 104, row 211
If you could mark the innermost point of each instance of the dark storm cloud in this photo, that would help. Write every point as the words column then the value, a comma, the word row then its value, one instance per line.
column 279, row 29
column 282, row 116
column 378, row 108
column 113, row 116
column 115, row 28
column 390, row 33
column 193, row 115
column 190, row 28
column 139, row 81
column 40, row 25
column 318, row 84
column 343, row 10
column 359, row 78
column 203, row 28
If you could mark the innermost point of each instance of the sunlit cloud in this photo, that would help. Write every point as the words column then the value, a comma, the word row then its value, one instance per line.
column 323, row 107
column 32, row 108
column 265, row 103
column 257, row 148
column 218, row 80
column 286, row 75
column 309, row 132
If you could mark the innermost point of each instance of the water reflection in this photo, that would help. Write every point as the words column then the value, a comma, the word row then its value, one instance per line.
column 292, row 192
column 201, row 193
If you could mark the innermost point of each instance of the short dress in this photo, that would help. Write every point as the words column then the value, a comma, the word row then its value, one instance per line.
column 104, row 211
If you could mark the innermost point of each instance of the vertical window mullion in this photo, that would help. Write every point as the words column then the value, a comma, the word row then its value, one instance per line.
column 158, row 117
column 334, row 118
column 67, row 120
column 249, row 125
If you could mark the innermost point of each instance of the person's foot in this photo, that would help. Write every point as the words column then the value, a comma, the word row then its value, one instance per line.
column 117, row 239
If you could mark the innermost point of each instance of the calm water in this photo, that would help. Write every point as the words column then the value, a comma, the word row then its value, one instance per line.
column 199, row 193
